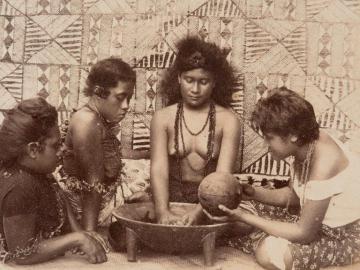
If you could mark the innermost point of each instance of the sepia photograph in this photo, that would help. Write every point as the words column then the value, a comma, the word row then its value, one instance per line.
column 180, row 134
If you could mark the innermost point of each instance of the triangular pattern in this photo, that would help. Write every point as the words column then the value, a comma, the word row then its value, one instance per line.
column 319, row 101
column 157, row 60
column 109, row 7
column 336, row 119
column 13, row 82
column 70, row 39
column 53, row 54
column 257, row 42
column 12, row 7
column 295, row 43
column 141, row 134
column 350, row 106
column 35, row 39
column 55, row 24
column 218, row 8
column 268, row 166
column 237, row 100
column 335, row 89
column 313, row 7
column 337, row 12
column 7, row 101
column 276, row 60
column 254, row 146
column 278, row 28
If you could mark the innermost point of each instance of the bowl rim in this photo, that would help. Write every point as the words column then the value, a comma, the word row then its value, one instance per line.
column 208, row 226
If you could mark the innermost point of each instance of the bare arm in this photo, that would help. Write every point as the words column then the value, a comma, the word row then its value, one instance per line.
column 87, row 142
column 277, row 197
column 20, row 229
column 229, row 144
column 304, row 231
column 159, row 169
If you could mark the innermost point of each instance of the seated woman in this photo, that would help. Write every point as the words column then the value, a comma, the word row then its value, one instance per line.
column 33, row 213
column 325, row 185
column 206, row 134
column 92, row 158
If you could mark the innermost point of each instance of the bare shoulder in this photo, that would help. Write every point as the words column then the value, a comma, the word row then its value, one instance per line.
column 164, row 116
column 227, row 117
column 329, row 158
column 85, row 121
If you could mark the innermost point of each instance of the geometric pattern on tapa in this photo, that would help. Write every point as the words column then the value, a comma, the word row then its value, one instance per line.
column 310, row 46
column 8, row 38
column 108, row 7
column 314, row 7
column 350, row 105
column 268, row 166
column 237, row 103
column 318, row 99
column 7, row 100
column 13, row 82
column 141, row 133
column 216, row 8
column 257, row 41
column 336, row 119
column 12, row 7
column 335, row 88
column 151, row 89
column 36, row 38
column 254, row 147
column 337, row 12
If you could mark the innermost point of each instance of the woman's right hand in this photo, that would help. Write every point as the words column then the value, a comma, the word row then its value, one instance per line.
column 92, row 248
column 169, row 218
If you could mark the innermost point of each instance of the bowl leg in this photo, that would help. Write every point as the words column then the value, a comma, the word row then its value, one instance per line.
column 209, row 248
column 131, row 245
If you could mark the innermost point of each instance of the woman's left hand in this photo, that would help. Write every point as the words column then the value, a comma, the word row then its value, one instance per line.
column 229, row 215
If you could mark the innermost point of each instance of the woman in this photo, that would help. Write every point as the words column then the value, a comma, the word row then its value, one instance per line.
column 92, row 160
column 33, row 213
column 325, row 184
column 205, row 136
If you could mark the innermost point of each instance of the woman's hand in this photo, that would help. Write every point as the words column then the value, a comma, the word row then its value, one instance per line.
column 169, row 218
column 93, row 247
column 229, row 215
column 193, row 217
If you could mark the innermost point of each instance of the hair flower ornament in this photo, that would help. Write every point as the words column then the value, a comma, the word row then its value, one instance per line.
column 196, row 60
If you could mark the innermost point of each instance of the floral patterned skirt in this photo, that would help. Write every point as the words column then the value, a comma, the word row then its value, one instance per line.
column 333, row 246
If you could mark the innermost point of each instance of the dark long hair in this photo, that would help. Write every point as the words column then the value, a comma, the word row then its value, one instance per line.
column 30, row 121
column 195, row 53
column 284, row 112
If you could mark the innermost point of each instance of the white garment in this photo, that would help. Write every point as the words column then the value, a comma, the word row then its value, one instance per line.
column 343, row 188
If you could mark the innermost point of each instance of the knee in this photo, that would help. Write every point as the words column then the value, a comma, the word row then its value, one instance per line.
column 262, row 256
column 274, row 253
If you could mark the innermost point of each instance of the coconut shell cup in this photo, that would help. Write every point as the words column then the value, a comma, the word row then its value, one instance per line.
column 219, row 188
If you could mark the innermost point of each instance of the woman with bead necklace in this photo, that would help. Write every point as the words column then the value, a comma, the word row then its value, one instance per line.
column 92, row 158
column 197, row 133
column 325, row 182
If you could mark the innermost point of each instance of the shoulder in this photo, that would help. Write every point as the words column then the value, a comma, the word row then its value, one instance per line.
column 85, row 122
column 164, row 115
column 329, row 159
column 227, row 117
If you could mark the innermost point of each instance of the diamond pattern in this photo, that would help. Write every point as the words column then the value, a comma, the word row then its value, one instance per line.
column 311, row 46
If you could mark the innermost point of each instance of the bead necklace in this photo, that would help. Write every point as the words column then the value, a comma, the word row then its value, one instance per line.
column 203, row 127
column 304, row 173
column 179, row 129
